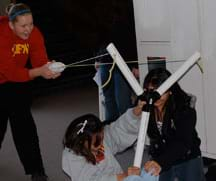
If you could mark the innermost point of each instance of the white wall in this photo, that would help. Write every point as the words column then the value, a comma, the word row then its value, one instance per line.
column 176, row 29
column 208, row 40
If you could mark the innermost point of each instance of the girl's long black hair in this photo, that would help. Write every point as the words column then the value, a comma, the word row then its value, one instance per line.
column 178, row 100
column 158, row 76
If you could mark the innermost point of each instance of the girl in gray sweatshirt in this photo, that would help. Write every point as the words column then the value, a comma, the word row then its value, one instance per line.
column 89, row 148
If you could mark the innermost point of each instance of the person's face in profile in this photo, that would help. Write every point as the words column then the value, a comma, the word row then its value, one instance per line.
column 97, row 142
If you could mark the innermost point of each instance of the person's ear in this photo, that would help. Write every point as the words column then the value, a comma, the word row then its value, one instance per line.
column 11, row 25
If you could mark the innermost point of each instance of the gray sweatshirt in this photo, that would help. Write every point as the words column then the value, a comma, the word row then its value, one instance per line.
column 117, row 137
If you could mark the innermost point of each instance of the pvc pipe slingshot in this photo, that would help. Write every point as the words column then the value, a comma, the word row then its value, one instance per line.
column 60, row 67
column 139, row 91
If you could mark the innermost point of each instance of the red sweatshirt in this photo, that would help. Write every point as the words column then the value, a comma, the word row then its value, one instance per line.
column 14, row 53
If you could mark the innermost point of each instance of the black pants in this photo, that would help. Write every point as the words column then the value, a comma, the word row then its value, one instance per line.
column 15, row 108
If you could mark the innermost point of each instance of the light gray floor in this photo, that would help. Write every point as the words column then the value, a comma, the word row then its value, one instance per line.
column 52, row 114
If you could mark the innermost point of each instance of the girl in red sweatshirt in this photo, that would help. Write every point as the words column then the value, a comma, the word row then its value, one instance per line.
column 21, row 41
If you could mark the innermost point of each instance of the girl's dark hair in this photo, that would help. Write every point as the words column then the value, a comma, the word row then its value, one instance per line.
column 14, row 10
column 157, row 76
column 78, row 136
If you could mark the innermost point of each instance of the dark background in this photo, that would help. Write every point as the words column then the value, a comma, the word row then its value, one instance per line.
column 76, row 30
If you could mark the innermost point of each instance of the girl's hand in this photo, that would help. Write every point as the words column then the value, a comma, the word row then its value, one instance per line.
column 47, row 73
column 121, row 177
column 138, row 109
column 133, row 171
column 152, row 167
column 44, row 72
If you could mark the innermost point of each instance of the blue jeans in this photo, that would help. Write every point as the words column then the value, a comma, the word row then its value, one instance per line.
column 191, row 170
column 117, row 94
column 143, row 177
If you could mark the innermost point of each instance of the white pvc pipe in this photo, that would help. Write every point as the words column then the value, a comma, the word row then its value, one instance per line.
column 124, row 69
column 162, row 89
column 141, row 139
column 179, row 73
column 139, row 91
